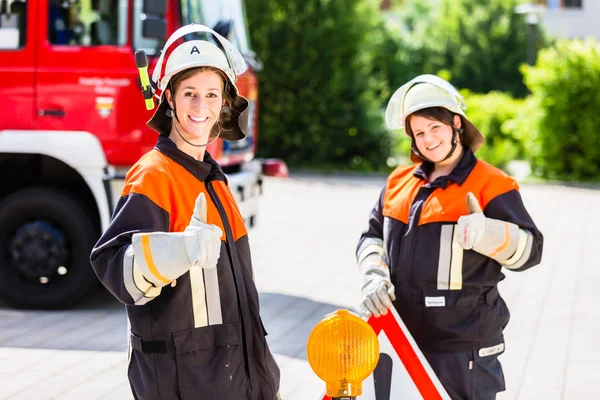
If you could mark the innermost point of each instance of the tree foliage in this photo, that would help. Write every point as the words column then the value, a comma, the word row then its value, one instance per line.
column 495, row 114
column 320, row 91
column 480, row 43
column 564, row 85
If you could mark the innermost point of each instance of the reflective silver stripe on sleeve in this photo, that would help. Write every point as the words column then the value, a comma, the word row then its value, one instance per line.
column 523, row 251
column 149, row 289
column 386, row 235
column 450, row 262
column 368, row 247
column 140, row 290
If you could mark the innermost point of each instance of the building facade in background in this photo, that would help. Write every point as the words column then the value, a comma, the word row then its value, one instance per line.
column 572, row 19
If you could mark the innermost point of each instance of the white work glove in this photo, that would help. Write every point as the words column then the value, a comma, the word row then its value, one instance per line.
column 377, row 292
column 165, row 256
column 491, row 237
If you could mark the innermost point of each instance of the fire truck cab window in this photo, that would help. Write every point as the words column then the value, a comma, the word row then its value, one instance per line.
column 87, row 22
column 12, row 24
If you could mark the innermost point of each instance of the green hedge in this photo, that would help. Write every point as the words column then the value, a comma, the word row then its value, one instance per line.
column 495, row 115
column 500, row 118
column 565, row 86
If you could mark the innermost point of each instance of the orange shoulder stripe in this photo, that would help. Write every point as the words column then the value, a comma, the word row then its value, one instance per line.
column 447, row 205
column 443, row 205
column 400, row 192
column 170, row 186
column 150, row 177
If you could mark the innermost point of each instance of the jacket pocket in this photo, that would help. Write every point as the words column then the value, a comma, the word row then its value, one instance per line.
column 488, row 377
column 267, row 369
column 141, row 373
column 210, row 363
column 451, row 318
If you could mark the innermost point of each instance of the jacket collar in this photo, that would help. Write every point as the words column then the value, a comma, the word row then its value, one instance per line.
column 206, row 170
column 458, row 175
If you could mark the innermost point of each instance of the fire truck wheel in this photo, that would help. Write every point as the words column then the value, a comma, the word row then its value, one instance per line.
column 45, row 242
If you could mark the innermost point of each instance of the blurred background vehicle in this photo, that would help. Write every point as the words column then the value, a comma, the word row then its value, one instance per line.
column 73, row 122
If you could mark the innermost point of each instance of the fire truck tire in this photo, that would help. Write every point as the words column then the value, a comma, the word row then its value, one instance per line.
column 45, row 241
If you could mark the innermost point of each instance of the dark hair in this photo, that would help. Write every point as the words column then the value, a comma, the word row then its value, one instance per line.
column 187, row 73
column 440, row 114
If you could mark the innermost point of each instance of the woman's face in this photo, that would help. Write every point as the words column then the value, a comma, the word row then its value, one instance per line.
column 433, row 138
column 198, row 101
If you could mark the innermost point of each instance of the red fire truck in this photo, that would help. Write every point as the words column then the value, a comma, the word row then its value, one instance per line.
column 72, row 121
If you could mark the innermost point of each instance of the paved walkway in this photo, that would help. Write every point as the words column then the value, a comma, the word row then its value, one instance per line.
column 303, row 254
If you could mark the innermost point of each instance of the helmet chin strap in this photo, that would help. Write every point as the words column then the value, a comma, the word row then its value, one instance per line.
column 455, row 133
column 176, row 122
column 190, row 143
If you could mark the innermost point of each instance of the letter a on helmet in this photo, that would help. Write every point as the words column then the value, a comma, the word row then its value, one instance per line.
column 179, row 54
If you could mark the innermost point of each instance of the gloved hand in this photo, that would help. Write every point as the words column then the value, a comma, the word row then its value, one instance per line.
column 491, row 237
column 378, row 291
column 165, row 256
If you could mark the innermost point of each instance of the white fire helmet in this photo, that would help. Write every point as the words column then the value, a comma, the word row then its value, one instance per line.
column 178, row 55
column 427, row 91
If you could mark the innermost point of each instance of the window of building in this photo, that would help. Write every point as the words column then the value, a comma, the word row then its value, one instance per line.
column 87, row 22
column 572, row 3
column 191, row 12
column 223, row 11
column 13, row 18
column 150, row 45
column 556, row 4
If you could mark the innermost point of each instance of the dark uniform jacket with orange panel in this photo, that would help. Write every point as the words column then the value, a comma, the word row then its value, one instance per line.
column 201, row 338
column 447, row 296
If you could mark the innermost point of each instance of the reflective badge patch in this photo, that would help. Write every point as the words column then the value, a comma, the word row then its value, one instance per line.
column 489, row 351
column 439, row 301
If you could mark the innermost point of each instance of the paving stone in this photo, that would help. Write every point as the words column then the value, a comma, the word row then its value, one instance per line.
column 303, row 255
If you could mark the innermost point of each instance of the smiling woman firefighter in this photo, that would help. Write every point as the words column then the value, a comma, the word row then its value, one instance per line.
column 438, row 239
column 176, row 252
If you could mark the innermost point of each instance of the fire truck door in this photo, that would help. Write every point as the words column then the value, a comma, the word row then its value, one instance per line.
column 86, row 68
column 17, row 63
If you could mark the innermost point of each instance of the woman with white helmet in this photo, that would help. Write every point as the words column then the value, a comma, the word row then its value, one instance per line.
column 438, row 239
column 176, row 252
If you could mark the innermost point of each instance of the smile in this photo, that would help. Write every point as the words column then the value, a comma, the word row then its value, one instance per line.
column 434, row 147
column 198, row 119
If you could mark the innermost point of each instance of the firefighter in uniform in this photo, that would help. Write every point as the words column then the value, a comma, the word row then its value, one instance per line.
column 438, row 238
column 176, row 252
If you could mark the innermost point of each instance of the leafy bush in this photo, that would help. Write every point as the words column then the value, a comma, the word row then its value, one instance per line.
column 320, row 89
column 565, row 86
column 495, row 115
column 481, row 43
column 500, row 119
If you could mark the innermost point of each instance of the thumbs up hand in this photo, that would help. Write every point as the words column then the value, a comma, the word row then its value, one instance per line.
column 163, row 257
column 488, row 236
column 471, row 228
column 202, row 240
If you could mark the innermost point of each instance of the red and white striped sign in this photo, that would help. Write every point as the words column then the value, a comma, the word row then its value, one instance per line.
column 402, row 371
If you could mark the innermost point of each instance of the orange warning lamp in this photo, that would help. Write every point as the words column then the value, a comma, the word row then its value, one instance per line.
column 343, row 350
